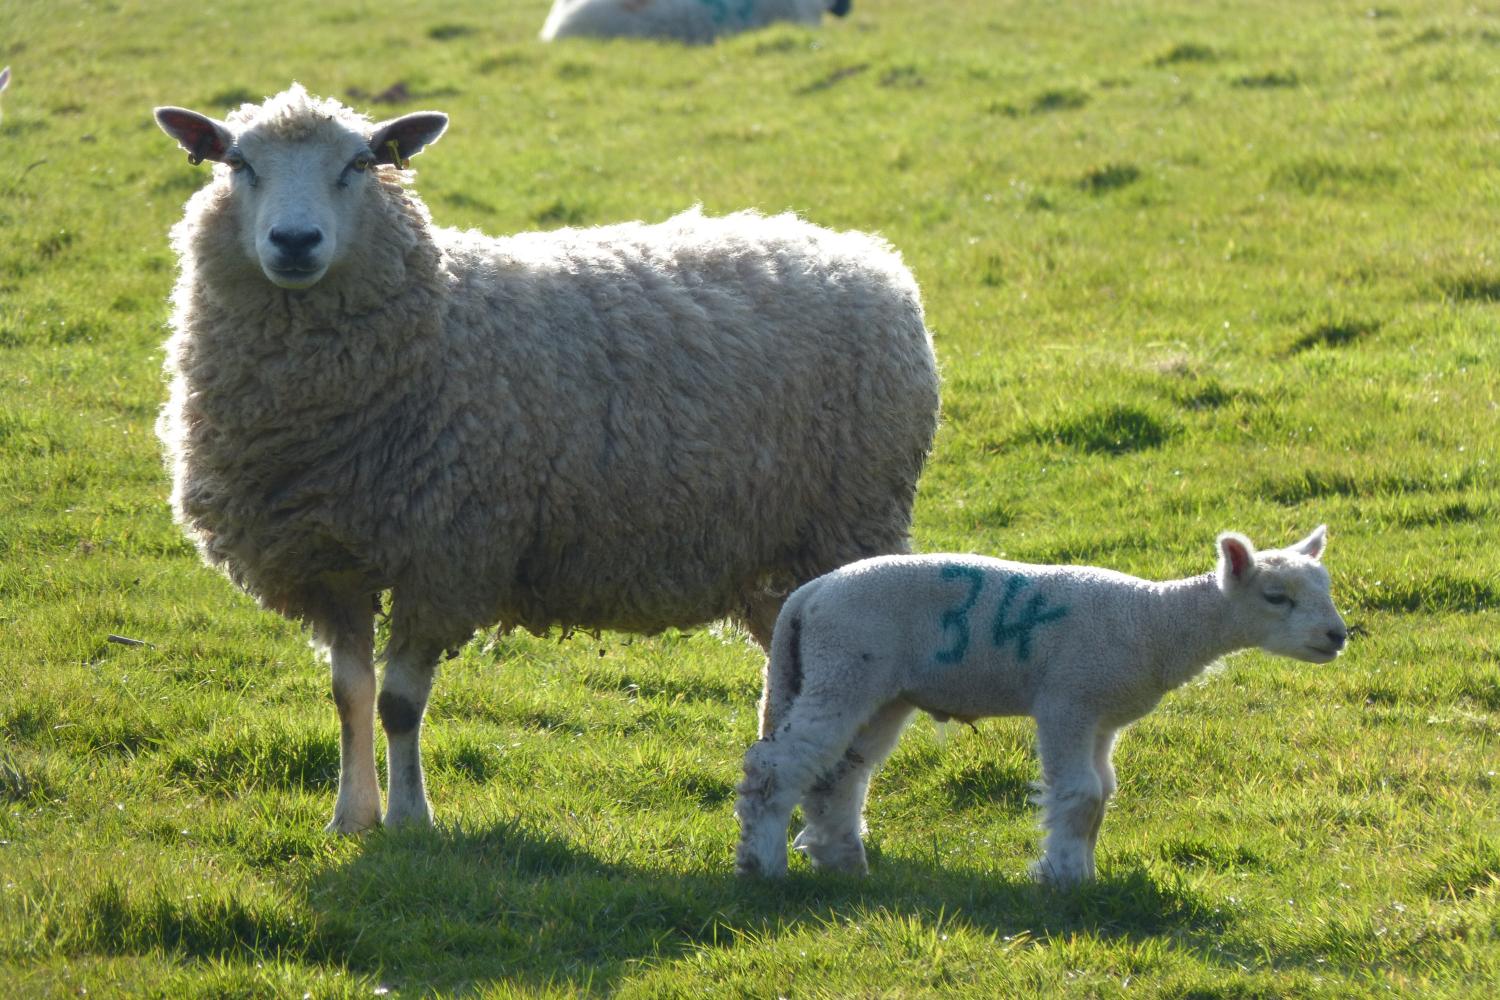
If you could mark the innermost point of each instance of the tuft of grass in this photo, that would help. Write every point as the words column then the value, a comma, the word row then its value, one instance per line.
column 1109, row 430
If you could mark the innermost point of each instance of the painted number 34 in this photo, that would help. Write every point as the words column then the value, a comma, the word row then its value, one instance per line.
column 1011, row 624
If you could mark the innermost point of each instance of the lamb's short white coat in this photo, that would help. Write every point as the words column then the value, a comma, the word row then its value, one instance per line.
column 1084, row 651
column 696, row 21
column 628, row 427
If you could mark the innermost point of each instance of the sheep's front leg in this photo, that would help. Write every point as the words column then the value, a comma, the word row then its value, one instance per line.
column 834, row 807
column 1072, row 797
column 408, row 679
column 351, row 660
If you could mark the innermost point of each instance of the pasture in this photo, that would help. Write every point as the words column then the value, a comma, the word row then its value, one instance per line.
column 1190, row 265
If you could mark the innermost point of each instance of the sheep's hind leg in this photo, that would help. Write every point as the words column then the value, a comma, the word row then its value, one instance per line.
column 1072, row 799
column 404, row 689
column 777, row 773
column 833, row 838
column 345, row 628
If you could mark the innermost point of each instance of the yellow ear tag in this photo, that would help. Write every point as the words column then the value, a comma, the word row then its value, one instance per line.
column 395, row 148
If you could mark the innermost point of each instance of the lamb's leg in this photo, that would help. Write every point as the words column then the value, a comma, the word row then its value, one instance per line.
column 1104, row 745
column 834, row 805
column 777, row 773
column 404, row 689
column 348, row 632
column 1072, row 797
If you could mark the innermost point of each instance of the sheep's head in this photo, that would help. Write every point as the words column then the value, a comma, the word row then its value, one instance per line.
column 1284, row 596
column 299, row 170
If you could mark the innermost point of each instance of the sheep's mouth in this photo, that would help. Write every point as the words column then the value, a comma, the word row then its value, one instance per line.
column 1322, row 654
column 295, row 277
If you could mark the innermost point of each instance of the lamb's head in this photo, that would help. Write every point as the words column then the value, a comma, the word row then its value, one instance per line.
column 300, row 173
column 1283, row 597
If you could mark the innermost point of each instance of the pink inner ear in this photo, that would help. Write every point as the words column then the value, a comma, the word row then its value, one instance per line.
column 1239, row 559
column 196, row 135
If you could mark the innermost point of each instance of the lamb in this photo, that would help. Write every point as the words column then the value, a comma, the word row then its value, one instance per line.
column 692, row 21
column 1083, row 651
column 627, row 427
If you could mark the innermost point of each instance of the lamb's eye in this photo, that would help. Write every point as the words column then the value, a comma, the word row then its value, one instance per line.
column 235, row 161
column 362, row 162
column 1279, row 600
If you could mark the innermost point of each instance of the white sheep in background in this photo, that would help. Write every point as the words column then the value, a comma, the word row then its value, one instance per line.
column 694, row 21
column 1083, row 651
column 629, row 427
column 4, row 79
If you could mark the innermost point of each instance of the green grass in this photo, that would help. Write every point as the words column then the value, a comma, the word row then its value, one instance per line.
column 1190, row 264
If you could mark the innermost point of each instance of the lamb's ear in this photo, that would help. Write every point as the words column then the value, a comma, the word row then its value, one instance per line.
column 1313, row 545
column 399, row 139
column 200, row 135
column 1236, row 558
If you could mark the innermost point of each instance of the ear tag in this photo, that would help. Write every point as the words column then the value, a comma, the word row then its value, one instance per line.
column 396, row 158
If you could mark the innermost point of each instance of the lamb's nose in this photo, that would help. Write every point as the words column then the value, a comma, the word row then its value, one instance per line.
column 295, row 242
column 1338, row 636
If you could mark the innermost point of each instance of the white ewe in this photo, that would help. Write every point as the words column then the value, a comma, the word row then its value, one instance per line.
column 1083, row 651
column 695, row 21
column 630, row 427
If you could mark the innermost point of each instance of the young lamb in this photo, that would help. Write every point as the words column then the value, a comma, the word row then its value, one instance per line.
column 693, row 21
column 1083, row 651
column 630, row 427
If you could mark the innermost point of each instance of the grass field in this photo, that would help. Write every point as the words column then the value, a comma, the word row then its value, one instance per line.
column 1190, row 265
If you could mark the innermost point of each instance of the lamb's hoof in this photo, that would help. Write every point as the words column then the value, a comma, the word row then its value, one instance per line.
column 748, row 865
column 845, row 854
column 1057, row 876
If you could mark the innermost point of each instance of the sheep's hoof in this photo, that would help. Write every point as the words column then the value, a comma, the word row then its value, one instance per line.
column 349, row 826
column 408, row 821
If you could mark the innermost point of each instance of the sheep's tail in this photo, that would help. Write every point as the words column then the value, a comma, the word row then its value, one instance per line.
column 783, row 681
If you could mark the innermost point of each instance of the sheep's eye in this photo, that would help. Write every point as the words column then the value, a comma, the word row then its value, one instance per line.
column 235, row 161
column 1278, row 600
column 362, row 162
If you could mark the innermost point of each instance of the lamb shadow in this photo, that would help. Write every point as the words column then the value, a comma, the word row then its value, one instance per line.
column 462, row 910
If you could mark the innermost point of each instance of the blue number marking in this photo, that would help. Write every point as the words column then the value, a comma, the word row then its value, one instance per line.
column 956, row 618
column 1031, row 616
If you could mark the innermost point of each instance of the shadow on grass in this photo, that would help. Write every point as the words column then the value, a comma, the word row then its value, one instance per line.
column 459, row 910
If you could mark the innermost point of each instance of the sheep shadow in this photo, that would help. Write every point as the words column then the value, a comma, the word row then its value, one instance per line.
column 463, row 910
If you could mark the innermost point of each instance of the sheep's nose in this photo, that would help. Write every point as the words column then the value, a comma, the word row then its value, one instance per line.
column 1338, row 636
column 295, row 242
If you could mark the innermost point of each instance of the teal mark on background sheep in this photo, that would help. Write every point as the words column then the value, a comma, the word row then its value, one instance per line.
column 1006, row 628
column 729, row 11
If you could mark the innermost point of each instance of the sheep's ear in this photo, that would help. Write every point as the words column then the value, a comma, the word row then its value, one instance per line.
column 1236, row 558
column 399, row 139
column 201, row 136
column 1313, row 545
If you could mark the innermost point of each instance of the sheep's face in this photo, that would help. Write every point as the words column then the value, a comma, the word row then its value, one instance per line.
column 1284, row 596
column 299, row 173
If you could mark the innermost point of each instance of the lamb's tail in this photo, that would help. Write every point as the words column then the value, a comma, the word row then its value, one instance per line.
column 783, row 667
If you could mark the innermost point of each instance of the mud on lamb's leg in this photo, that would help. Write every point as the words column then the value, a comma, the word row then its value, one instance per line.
column 778, row 771
column 834, row 806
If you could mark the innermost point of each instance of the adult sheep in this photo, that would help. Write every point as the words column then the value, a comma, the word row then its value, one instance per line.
column 694, row 21
column 630, row 427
